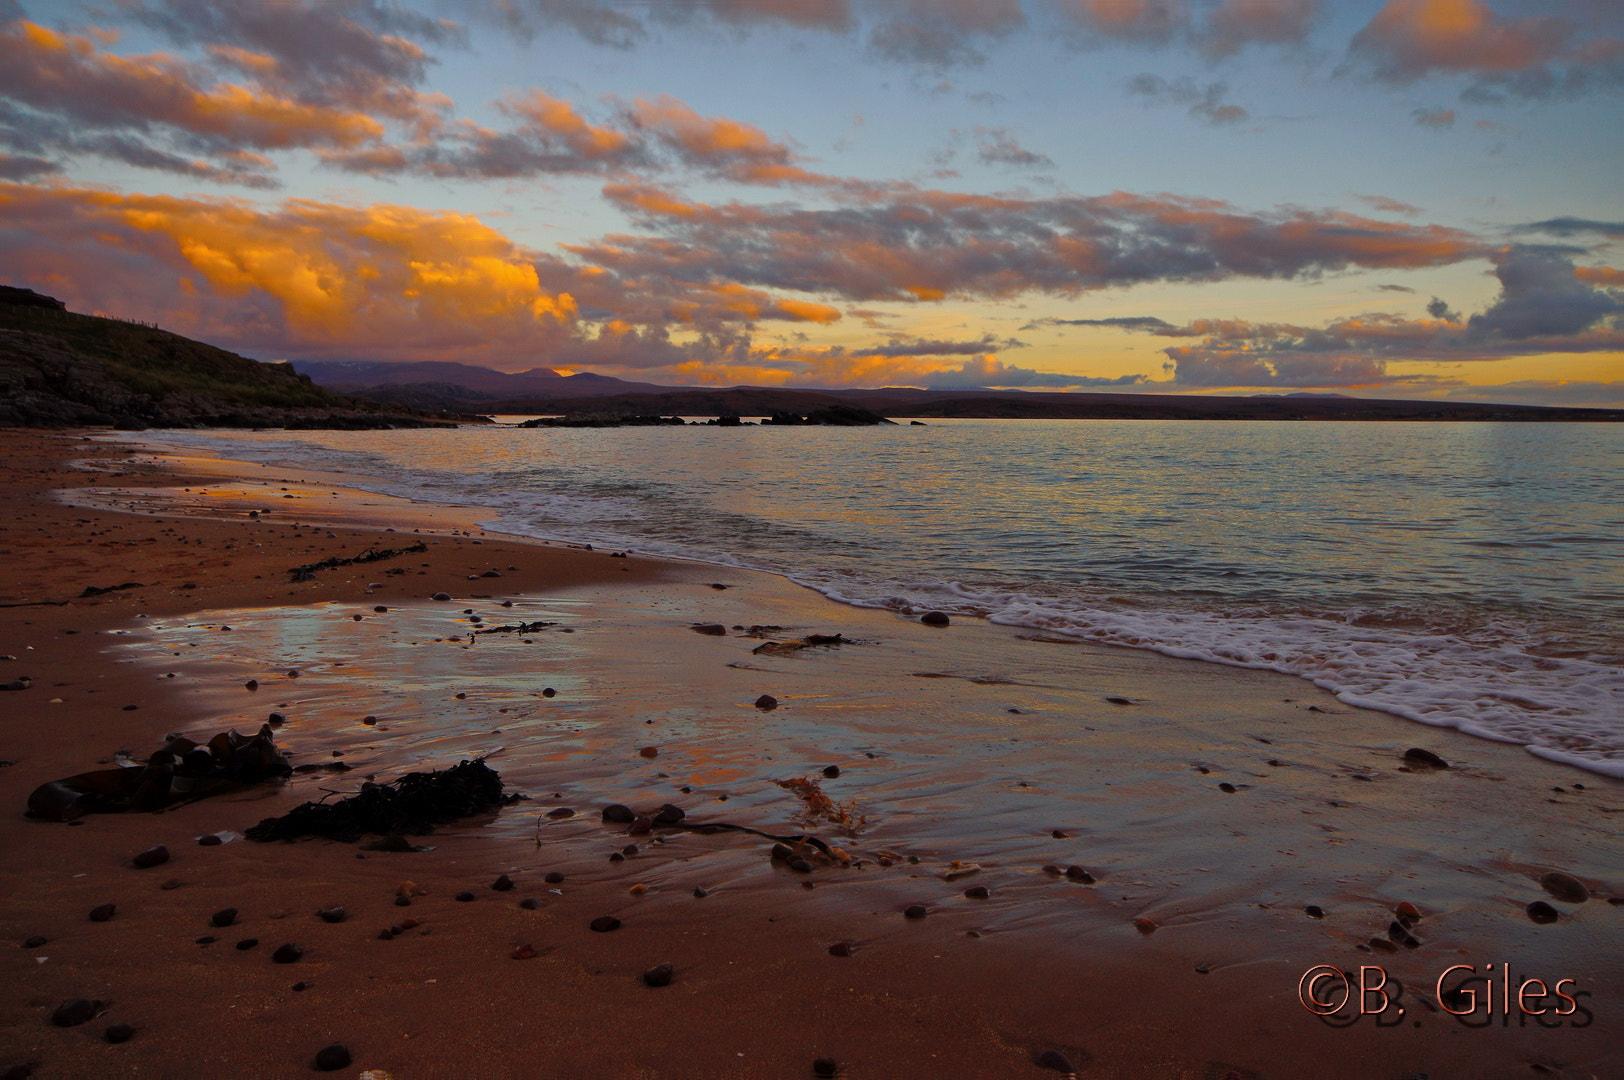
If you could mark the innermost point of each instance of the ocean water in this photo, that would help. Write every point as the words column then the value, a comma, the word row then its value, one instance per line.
column 1461, row 575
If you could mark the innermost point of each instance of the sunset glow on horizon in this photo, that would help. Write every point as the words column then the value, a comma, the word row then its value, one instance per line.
column 1410, row 198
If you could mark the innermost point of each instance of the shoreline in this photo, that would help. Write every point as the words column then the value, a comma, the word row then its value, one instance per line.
column 752, row 957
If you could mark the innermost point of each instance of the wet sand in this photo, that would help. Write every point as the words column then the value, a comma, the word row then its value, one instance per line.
column 970, row 742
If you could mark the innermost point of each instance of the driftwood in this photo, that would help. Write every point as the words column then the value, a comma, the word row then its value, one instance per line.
column 412, row 805
column 180, row 771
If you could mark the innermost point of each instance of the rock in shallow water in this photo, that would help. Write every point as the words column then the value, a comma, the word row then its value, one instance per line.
column 1541, row 912
column 1565, row 887
column 619, row 814
column 934, row 618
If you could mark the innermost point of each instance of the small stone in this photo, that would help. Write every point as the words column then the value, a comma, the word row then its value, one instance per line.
column 35, row 942
column 800, row 866
column 553, row 877
column 369, row 721
column 223, row 917
column 153, row 856
column 649, row 752
column 524, row 952
column 403, row 901
column 1078, row 874
column 669, row 814
column 1541, row 912
column 934, row 618
column 1377, row 944
column 287, row 954
column 118, row 1033
column 247, row 943
column 1408, row 912
column 977, row 892
column 561, row 812
column 766, row 703
column 1314, row 911
column 604, row 923
column 615, row 856
column 1145, row 926
column 642, row 825
column 276, row 719
column 251, row 684
column 464, row 897
column 842, row 948
column 915, row 911
column 1417, row 756
column 700, row 893
column 502, row 884
column 825, row 1068
column 74, row 1012
column 530, row 903
column 1565, row 887
column 638, row 890
column 300, row 987
column 711, row 629
column 169, row 885
column 831, row 771
column 658, row 975
column 380, row 609
column 548, row 691
column 332, row 915
column 1055, row 1061
column 1119, row 700
column 619, row 814
column 335, row 1057
column 441, row 596
column 103, row 913
column 1060, row 834
column 1226, row 786
column 1052, row 870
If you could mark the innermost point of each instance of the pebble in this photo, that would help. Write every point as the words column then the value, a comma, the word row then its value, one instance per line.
column 642, row 825
column 153, row 856
column 380, row 609
column 1077, row 873
column 842, row 948
column 553, row 877
column 669, row 814
column 74, row 1012
column 561, row 812
column 1060, row 834
column 1408, row 911
column 1120, row 700
column 977, row 892
column 604, row 923
column 638, row 890
column 711, row 629
column 548, row 691
column 103, row 913
column 1052, row 870
column 658, row 975
column 1417, row 756
column 615, row 856
column 530, row 903
column 1314, row 911
column 332, row 915
column 1565, row 887
column 526, row 951
column 502, row 884
column 247, row 943
column 403, row 901
column 915, row 911
column 1055, row 1061
column 118, row 1033
column 825, row 1067
column 934, row 618
column 700, row 893
column 618, row 813
column 1382, row 945
column 800, row 866
column 1226, row 786
column 441, row 596
column 831, row 771
column 287, row 954
column 333, row 1058
column 251, row 684
column 1541, row 912
column 464, row 897
column 649, row 752
column 206, row 939
column 35, row 942
column 1145, row 926
column 766, row 702
column 167, row 886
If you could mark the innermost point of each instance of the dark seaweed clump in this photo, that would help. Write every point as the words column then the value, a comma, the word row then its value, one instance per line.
column 410, row 806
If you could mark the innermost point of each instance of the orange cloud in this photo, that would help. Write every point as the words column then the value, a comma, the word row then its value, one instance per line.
column 1604, row 276
column 558, row 118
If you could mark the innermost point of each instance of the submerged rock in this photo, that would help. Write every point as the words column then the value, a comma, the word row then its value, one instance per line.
column 1565, row 887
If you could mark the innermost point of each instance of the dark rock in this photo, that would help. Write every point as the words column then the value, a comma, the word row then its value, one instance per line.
column 35, row 942
column 669, row 814
column 18, row 1072
column 831, row 771
column 75, row 1012
column 915, row 911
column 1077, row 873
column 153, row 856
column 604, row 923
column 842, row 948
column 102, row 913
column 1542, row 913
column 287, row 954
column 441, row 596
column 659, row 975
column 700, row 893
column 619, row 814
column 935, row 618
column 168, row 886
column 403, row 901
column 615, row 856
column 1565, row 887
column 553, row 877
column 977, row 892
column 211, row 840
column 1052, row 870
column 1314, row 911
column 1426, row 758
column 710, row 629
column 1054, row 1061
column 118, row 1033
column 332, row 915
column 641, row 825
column 223, row 917
column 333, row 1058
column 825, row 1068
column 502, row 884
column 464, row 897
column 206, row 939
column 1226, row 786
column 800, row 866
column 560, row 812
column 766, row 702
column 548, row 691
column 247, row 943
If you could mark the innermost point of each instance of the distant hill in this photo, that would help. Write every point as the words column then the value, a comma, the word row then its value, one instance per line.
column 459, row 386
column 59, row 368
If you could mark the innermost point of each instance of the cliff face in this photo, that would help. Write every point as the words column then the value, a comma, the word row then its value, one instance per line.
column 59, row 368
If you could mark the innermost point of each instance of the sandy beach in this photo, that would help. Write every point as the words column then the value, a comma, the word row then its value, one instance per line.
column 1231, row 829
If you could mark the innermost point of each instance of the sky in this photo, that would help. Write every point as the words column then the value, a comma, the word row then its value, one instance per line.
column 1409, row 198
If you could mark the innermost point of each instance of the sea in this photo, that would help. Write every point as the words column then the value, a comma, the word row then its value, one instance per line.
column 1464, row 575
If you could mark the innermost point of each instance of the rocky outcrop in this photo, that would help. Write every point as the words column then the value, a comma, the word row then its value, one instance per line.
column 829, row 416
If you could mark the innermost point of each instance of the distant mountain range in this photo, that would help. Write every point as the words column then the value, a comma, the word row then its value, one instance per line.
column 467, row 388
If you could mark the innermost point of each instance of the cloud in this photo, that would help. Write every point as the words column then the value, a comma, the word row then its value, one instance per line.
column 23, row 167
column 1206, row 103
column 1122, row 322
column 905, row 346
column 988, row 371
column 1532, row 58
column 1388, row 206
column 1238, row 23
column 1394, row 288
column 1572, row 226
column 1542, row 308
column 998, row 146
column 1434, row 118
column 927, row 245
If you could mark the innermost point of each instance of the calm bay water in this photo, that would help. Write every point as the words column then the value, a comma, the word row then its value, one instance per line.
column 1465, row 575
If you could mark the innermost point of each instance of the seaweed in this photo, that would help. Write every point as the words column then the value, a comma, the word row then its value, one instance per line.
column 820, row 807
column 411, row 805
column 307, row 572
